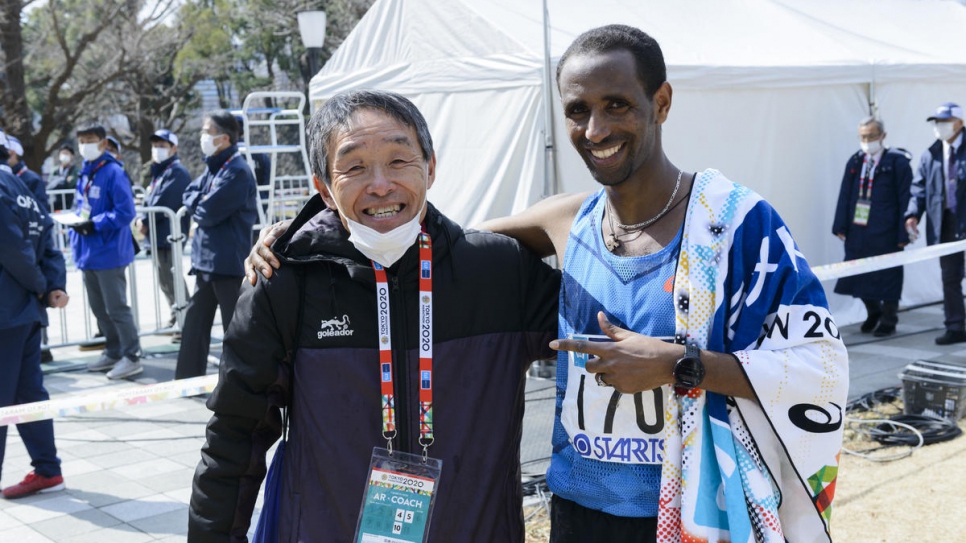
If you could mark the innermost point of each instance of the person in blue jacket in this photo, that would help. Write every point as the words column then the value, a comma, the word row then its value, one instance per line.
column 939, row 190
column 222, row 203
column 32, row 277
column 869, row 218
column 29, row 177
column 169, row 179
column 103, row 246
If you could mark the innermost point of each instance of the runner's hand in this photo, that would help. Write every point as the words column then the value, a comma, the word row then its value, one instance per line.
column 631, row 363
column 261, row 257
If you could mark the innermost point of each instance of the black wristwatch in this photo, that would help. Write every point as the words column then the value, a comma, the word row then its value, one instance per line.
column 689, row 369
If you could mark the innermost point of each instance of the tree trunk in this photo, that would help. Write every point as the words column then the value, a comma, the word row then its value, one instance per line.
column 14, row 90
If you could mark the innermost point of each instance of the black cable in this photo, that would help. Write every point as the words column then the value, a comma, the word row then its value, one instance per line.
column 933, row 429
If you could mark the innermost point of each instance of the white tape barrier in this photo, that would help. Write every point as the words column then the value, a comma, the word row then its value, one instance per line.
column 74, row 405
column 882, row 262
column 106, row 399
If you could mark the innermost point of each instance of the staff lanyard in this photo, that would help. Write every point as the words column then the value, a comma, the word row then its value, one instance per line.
column 867, row 178
column 154, row 180
column 90, row 179
column 425, row 347
column 20, row 173
column 223, row 166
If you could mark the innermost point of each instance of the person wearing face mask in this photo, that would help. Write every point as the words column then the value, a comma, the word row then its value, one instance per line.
column 102, row 247
column 32, row 278
column 169, row 179
column 461, row 315
column 64, row 177
column 222, row 204
column 869, row 218
column 939, row 190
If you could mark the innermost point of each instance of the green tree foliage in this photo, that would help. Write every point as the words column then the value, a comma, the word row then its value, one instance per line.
column 67, row 61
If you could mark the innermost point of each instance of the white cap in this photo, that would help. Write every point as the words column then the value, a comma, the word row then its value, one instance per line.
column 13, row 144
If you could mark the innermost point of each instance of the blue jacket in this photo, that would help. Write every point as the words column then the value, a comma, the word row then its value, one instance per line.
column 33, row 182
column 111, row 245
column 928, row 186
column 222, row 203
column 169, row 179
column 30, row 265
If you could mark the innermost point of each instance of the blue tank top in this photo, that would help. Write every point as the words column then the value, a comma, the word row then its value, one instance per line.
column 605, row 472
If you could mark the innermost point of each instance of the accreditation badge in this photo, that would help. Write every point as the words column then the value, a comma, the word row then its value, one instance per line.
column 85, row 211
column 862, row 209
column 604, row 424
column 400, row 493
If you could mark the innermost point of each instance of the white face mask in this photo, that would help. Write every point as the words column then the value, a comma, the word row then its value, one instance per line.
column 65, row 158
column 871, row 147
column 208, row 144
column 388, row 248
column 944, row 131
column 89, row 151
column 159, row 154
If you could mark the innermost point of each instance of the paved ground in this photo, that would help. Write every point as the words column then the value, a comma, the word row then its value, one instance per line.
column 128, row 471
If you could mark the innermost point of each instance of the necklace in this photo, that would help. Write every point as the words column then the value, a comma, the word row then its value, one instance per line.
column 654, row 219
column 613, row 240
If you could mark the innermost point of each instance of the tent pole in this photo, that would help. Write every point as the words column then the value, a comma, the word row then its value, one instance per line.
column 550, row 186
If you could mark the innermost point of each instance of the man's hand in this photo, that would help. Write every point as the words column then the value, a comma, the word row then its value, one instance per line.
column 142, row 228
column 912, row 226
column 85, row 228
column 631, row 363
column 57, row 299
column 261, row 257
column 841, row 236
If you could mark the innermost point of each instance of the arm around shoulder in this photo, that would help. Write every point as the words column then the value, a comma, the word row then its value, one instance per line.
column 543, row 227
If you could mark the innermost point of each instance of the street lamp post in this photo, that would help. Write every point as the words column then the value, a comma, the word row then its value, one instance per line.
column 312, row 29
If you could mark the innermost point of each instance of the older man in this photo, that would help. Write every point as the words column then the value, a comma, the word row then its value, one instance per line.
column 710, row 314
column 869, row 219
column 939, row 190
column 396, row 332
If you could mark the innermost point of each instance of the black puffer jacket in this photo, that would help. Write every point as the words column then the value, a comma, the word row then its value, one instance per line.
column 494, row 311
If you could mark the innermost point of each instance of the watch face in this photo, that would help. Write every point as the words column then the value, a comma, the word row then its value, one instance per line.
column 689, row 370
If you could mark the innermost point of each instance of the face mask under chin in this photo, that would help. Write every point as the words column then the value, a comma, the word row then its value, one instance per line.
column 384, row 248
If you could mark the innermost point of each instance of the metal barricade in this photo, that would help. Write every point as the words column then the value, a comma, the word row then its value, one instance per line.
column 75, row 325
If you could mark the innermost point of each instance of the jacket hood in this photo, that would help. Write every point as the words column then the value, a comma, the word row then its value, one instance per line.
column 317, row 234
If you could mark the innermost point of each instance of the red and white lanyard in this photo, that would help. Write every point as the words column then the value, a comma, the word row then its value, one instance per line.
column 154, row 180
column 20, row 173
column 223, row 166
column 867, row 178
column 425, row 347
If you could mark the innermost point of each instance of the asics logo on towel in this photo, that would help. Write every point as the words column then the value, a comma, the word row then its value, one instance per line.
column 336, row 328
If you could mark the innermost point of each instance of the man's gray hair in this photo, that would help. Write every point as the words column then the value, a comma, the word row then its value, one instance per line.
column 336, row 111
column 872, row 119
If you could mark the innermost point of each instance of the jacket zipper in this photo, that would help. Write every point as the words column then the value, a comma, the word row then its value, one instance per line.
column 400, row 369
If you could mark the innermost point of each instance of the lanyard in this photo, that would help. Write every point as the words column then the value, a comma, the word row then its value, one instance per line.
column 223, row 166
column 154, row 180
column 868, row 175
column 425, row 347
column 90, row 178
column 20, row 173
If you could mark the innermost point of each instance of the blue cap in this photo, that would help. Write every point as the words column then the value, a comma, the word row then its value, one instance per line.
column 947, row 111
column 165, row 135
column 116, row 143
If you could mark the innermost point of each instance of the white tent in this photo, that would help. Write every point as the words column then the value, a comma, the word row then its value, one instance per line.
column 767, row 91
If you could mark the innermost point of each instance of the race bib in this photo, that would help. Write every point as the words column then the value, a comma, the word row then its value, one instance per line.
column 607, row 425
column 862, row 209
